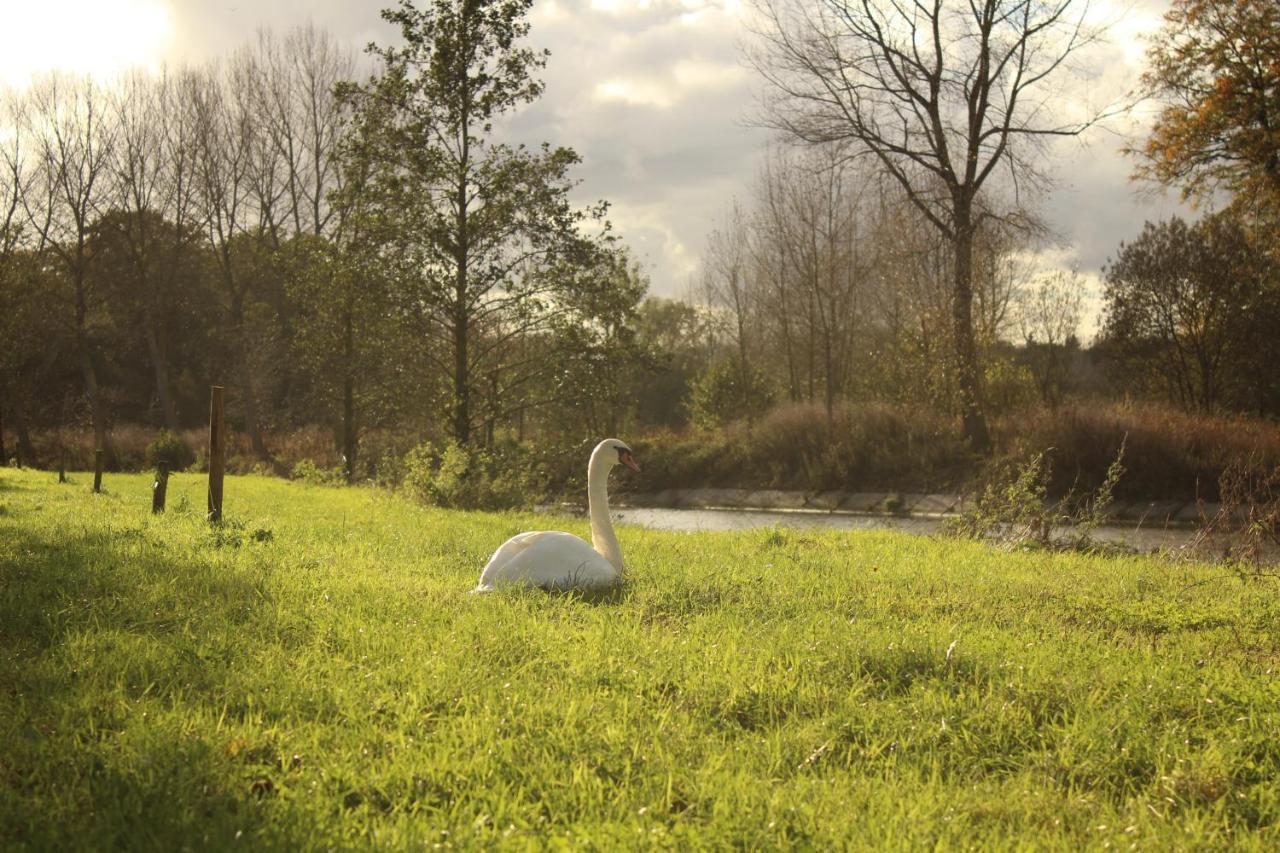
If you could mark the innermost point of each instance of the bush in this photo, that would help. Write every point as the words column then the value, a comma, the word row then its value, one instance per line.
column 472, row 478
column 870, row 446
column 1014, row 508
column 308, row 472
column 729, row 391
column 168, row 449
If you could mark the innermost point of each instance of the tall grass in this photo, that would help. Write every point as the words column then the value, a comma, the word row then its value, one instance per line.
column 315, row 675
column 871, row 447
column 799, row 447
column 1168, row 454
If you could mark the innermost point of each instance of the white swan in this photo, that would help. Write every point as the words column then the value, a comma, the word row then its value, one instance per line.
column 555, row 560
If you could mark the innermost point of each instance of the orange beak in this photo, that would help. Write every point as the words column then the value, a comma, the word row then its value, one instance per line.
column 630, row 461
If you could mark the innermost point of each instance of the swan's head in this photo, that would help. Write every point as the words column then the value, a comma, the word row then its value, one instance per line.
column 615, row 452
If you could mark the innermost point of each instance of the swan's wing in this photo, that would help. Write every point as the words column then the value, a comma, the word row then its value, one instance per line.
column 546, row 558
column 508, row 550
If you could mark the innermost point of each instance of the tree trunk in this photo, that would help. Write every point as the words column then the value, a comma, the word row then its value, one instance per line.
column 4, row 457
column 253, row 424
column 461, row 318
column 968, row 376
column 160, row 367
column 348, row 394
column 461, row 394
column 26, row 453
column 349, row 427
column 97, row 408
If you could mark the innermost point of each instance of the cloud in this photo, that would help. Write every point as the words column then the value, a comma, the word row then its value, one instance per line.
column 635, row 93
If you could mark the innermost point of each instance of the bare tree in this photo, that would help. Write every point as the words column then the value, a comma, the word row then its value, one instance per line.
column 775, row 266
column 14, row 176
column 153, row 203
column 810, row 266
column 223, row 144
column 11, row 191
column 725, row 279
column 292, row 82
column 942, row 94
column 1048, row 318
column 73, row 141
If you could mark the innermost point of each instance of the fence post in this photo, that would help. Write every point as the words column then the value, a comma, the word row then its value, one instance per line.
column 62, row 465
column 159, row 487
column 217, row 452
column 97, row 471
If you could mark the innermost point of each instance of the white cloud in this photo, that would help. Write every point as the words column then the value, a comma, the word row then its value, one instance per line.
column 700, row 74
column 637, row 93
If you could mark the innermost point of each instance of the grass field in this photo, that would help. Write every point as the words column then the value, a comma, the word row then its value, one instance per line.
column 315, row 674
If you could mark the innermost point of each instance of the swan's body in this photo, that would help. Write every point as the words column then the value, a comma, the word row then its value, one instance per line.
column 554, row 560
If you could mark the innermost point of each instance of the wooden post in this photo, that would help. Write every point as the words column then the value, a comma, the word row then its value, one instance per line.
column 62, row 465
column 159, row 487
column 97, row 471
column 217, row 453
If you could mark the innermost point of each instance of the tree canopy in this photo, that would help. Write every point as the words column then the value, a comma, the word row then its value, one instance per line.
column 1215, row 66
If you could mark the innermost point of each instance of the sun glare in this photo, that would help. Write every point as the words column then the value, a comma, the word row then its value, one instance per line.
column 96, row 37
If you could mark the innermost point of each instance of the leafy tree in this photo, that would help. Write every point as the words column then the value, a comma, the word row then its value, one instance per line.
column 729, row 391
column 481, row 238
column 1179, row 301
column 344, row 334
column 678, row 341
column 1216, row 66
column 603, row 359
column 143, row 286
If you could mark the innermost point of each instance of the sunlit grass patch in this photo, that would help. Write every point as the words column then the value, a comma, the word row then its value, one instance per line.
column 317, row 674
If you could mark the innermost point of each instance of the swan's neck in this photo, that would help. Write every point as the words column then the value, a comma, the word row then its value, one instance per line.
column 602, row 537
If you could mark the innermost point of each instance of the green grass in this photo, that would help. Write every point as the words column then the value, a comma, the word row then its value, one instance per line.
column 316, row 674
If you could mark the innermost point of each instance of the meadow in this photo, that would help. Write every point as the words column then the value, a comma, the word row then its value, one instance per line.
column 316, row 674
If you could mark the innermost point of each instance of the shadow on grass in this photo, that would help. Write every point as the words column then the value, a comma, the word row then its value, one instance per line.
column 88, row 644
column 8, row 483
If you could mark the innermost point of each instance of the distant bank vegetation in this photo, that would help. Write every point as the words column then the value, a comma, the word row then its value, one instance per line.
column 1167, row 454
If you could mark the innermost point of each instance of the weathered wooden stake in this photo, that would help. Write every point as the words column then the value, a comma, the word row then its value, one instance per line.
column 97, row 471
column 217, row 452
column 159, row 487
column 62, row 466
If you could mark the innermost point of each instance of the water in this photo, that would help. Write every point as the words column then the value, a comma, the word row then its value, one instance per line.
column 1138, row 538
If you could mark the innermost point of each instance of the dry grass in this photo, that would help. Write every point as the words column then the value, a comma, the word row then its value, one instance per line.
column 1168, row 454
column 872, row 447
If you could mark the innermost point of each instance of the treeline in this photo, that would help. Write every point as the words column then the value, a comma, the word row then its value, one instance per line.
column 361, row 254
column 834, row 289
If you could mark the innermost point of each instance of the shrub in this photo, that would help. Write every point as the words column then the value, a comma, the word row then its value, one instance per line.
column 1013, row 507
column 729, row 391
column 308, row 472
column 168, row 449
column 472, row 478
column 1246, row 527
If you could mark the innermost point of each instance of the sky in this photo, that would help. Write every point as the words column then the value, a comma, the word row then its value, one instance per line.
column 653, row 94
